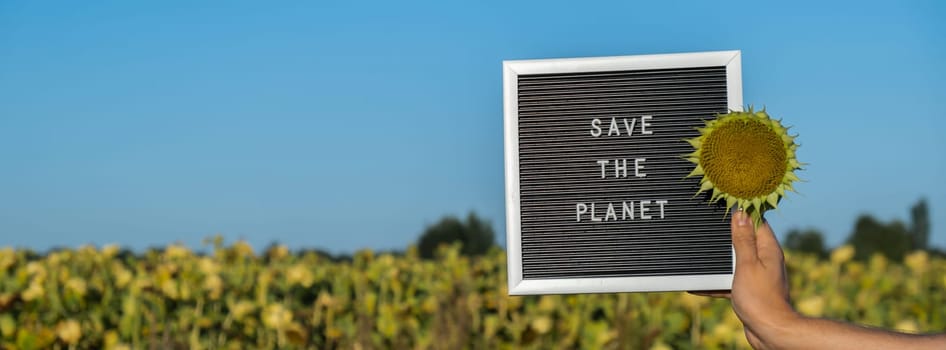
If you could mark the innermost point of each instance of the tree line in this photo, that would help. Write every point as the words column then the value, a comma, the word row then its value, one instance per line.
column 871, row 236
column 892, row 239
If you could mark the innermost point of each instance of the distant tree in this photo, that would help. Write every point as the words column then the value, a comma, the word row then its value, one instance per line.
column 324, row 254
column 806, row 241
column 871, row 236
column 475, row 234
column 920, row 225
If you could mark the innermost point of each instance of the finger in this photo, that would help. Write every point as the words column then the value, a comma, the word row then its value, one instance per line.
column 743, row 238
column 712, row 293
column 767, row 247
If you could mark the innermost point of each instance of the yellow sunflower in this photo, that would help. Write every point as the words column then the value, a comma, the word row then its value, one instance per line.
column 747, row 159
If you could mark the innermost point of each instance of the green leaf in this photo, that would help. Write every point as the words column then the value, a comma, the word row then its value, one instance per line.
column 7, row 326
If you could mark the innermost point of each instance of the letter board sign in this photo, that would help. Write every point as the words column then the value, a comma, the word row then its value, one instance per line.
column 597, row 198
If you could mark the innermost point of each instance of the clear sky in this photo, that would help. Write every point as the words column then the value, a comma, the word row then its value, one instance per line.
column 349, row 124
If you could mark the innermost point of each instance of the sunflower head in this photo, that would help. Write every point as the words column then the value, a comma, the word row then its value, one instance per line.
column 746, row 159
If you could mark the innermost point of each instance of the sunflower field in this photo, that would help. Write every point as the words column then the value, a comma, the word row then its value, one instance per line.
column 230, row 297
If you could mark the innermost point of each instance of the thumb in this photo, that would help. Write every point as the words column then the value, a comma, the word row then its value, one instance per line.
column 743, row 238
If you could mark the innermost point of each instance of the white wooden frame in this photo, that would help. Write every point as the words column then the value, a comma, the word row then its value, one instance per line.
column 511, row 71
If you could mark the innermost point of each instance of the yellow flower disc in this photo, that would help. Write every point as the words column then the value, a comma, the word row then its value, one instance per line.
column 747, row 159
column 744, row 157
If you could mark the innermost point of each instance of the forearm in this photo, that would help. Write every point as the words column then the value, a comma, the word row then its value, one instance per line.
column 815, row 333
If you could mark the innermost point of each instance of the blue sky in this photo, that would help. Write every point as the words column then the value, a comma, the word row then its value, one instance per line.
column 344, row 125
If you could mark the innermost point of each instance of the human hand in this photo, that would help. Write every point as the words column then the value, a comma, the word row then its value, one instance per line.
column 760, row 288
column 760, row 299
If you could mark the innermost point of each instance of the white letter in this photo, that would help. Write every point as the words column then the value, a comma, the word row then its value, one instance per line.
column 596, row 127
column 661, row 202
column 627, row 211
column 630, row 128
column 603, row 163
column 610, row 213
column 644, row 124
column 614, row 127
column 638, row 167
column 593, row 218
column 581, row 208
column 618, row 168
column 643, row 210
